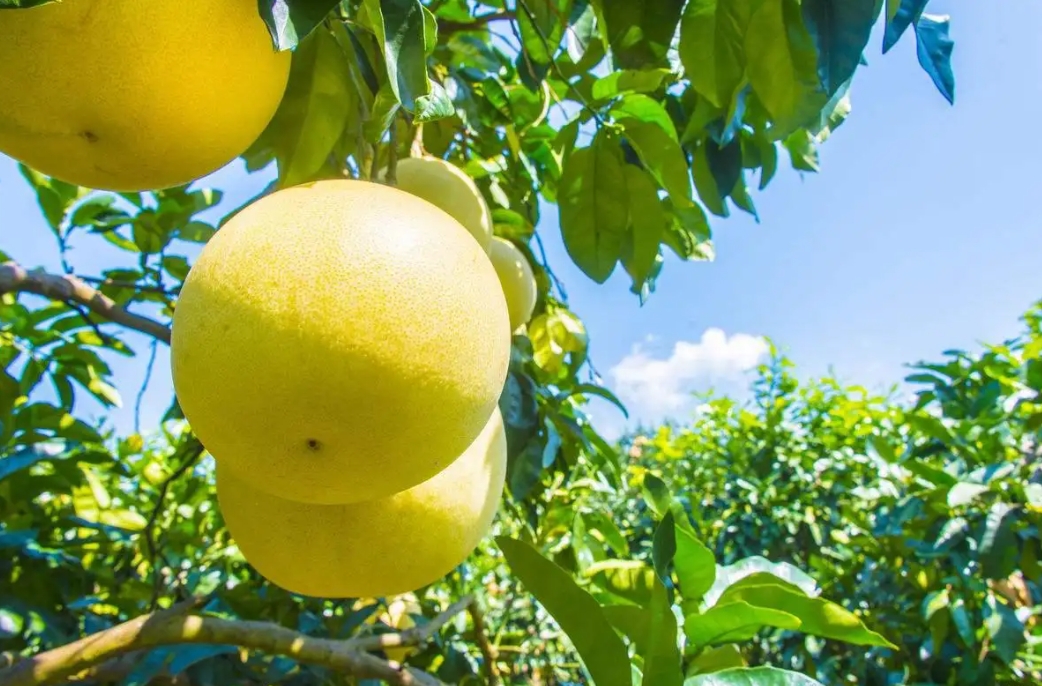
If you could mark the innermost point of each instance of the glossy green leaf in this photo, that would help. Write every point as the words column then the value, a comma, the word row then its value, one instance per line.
column 290, row 21
column 783, row 64
column 640, row 33
column 712, row 46
column 695, row 565
column 662, row 657
column 734, row 621
column 401, row 28
column 542, row 25
column 594, row 206
column 629, row 580
column 629, row 81
column 575, row 611
column 818, row 617
column 755, row 676
column 840, row 30
column 319, row 99
column 901, row 15
column 717, row 659
column 648, row 224
column 934, row 49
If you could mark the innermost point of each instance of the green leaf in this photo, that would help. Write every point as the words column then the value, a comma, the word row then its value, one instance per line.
column 695, row 565
column 629, row 580
column 802, row 151
column 662, row 658
column 900, row 14
column 648, row 224
column 755, row 676
column 664, row 547
column 934, row 49
column 818, row 617
column 399, row 25
column 1005, row 629
column 964, row 493
column 725, row 164
column 290, row 21
column 712, row 50
column 314, row 111
column 600, row 522
column 708, row 190
column 756, row 569
column 656, row 494
column 783, row 65
column 633, row 621
column 542, row 25
column 734, row 621
column 998, row 548
column 840, row 30
column 24, row 459
column 717, row 659
column 629, row 81
column 599, row 391
column 640, row 33
column 575, row 611
column 594, row 206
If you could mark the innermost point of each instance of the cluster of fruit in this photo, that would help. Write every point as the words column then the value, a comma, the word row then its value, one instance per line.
column 339, row 347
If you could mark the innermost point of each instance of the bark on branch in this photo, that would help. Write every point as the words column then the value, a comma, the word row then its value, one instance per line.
column 179, row 625
column 70, row 289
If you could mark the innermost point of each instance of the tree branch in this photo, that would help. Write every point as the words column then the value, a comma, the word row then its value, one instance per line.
column 488, row 653
column 73, row 291
column 480, row 21
column 179, row 626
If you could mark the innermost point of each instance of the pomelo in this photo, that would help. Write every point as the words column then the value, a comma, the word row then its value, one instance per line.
column 516, row 278
column 450, row 188
column 339, row 341
column 132, row 95
column 378, row 548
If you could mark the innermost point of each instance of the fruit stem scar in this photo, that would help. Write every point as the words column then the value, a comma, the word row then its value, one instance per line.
column 90, row 136
column 314, row 444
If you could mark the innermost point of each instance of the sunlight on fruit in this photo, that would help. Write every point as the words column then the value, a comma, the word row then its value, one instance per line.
column 339, row 341
column 129, row 95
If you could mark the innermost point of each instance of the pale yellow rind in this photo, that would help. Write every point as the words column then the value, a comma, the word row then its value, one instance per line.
column 339, row 341
column 132, row 95
column 372, row 549
column 516, row 278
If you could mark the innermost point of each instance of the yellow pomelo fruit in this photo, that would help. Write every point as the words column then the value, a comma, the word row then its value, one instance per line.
column 516, row 278
column 378, row 548
column 339, row 341
column 133, row 95
column 450, row 188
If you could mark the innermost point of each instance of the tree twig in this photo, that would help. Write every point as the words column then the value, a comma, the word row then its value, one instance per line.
column 488, row 653
column 72, row 290
column 176, row 626
column 193, row 450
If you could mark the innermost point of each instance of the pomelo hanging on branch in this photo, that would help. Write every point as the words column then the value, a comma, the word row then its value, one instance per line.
column 516, row 278
column 370, row 549
column 127, row 95
column 339, row 341
column 447, row 186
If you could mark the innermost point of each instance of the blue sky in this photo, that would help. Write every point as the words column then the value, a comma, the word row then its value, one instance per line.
column 919, row 234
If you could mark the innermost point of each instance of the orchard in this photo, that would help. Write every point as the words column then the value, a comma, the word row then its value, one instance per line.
column 377, row 466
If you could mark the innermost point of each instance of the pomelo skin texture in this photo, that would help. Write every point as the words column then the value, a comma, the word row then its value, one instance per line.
column 517, row 279
column 131, row 95
column 451, row 189
column 339, row 341
column 379, row 548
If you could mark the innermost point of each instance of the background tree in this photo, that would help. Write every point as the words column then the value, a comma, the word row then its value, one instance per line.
column 641, row 121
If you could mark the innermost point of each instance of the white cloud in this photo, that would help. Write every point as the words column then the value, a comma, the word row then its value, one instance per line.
column 654, row 388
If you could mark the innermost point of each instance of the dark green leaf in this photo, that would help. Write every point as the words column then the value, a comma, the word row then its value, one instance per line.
column 725, row 163
column 708, row 191
column 400, row 27
column 656, row 494
column 634, row 622
column 783, row 64
column 998, row 549
column 648, row 224
column 594, row 206
column 712, row 34
column 575, row 611
column 664, row 547
column 640, row 33
column 313, row 113
column 542, row 24
column 1005, row 629
column 934, row 49
column 840, row 29
column 289, row 21
column 901, row 15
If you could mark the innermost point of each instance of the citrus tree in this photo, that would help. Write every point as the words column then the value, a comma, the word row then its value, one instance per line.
column 377, row 464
